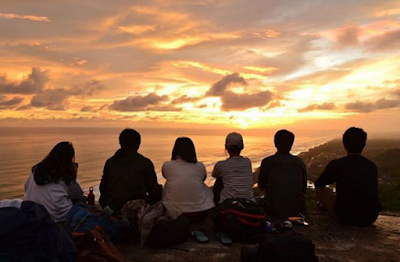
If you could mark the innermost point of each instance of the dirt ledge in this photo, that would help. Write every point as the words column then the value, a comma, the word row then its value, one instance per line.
column 334, row 242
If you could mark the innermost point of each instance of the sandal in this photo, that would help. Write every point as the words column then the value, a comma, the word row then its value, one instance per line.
column 199, row 236
column 225, row 239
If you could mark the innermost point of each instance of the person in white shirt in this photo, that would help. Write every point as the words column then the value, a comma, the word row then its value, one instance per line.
column 53, row 182
column 185, row 181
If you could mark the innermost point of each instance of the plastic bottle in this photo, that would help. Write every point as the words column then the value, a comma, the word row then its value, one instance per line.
column 91, row 197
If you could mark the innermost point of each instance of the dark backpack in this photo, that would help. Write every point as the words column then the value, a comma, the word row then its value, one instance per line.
column 29, row 234
column 166, row 233
column 284, row 246
column 95, row 246
column 242, row 219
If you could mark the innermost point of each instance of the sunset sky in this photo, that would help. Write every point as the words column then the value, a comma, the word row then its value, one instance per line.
column 230, row 63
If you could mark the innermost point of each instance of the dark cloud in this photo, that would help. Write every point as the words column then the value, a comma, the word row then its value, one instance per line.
column 33, row 83
column 234, row 101
column 386, row 104
column 365, row 107
column 359, row 106
column 313, row 107
column 386, row 42
column 138, row 103
column 88, row 109
column 219, row 87
column 87, row 89
column 237, row 101
column 348, row 36
column 52, row 99
column 5, row 102
column 185, row 99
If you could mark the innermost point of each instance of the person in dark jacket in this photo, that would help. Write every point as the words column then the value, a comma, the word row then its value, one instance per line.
column 284, row 178
column 356, row 199
column 128, row 175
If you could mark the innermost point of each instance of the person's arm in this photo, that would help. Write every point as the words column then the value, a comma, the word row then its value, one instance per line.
column 204, row 170
column 215, row 173
column 327, row 177
column 263, row 175
column 153, row 188
column 304, row 169
column 104, row 185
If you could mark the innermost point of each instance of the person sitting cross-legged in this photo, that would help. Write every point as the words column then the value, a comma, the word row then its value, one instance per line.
column 284, row 178
column 128, row 175
column 356, row 199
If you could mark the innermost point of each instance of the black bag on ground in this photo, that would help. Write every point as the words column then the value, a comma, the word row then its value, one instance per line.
column 242, row 219
column 286, row 246
column 166, row 233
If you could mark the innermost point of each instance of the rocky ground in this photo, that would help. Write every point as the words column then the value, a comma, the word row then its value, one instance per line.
column 334, row 243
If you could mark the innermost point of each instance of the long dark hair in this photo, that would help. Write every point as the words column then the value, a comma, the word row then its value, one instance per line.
column 58, row 165
column 184, row 148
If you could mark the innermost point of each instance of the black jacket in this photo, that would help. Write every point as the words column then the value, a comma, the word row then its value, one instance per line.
column 356, row 177
column 29, row 234
column 127, row 176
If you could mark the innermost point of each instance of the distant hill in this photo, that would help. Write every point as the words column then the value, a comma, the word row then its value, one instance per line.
column 384, row 152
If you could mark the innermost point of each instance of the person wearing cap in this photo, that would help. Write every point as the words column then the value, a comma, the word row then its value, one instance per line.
column 128, row 175
column 234, row 175
column 284, row 178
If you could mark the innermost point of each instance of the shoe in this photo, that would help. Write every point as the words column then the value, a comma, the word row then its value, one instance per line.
column 225, row 239
column 199, row 236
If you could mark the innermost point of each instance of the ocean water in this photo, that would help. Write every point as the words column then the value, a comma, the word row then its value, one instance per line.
column 21, row 148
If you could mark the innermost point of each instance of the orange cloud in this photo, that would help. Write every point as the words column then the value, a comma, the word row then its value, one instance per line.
column 267, row 34
column 25, row 17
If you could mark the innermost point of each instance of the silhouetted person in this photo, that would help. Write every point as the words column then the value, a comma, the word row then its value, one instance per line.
column 356, row 199
column 128, row 175
column 284, row 178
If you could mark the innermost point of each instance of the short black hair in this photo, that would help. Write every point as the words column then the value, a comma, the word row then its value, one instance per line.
column 129, row 138
column 354, row 140
column 184, row 148
column 284, row 140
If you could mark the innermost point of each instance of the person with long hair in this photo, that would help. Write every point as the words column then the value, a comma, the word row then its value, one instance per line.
column 53, row 182
column 185, row 181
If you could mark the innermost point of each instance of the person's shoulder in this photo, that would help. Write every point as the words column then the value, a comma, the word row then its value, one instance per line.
column 144, row 159
column 168, row 163
column 368, row 161
column 269, row 158
column 297, row 159
column 200, row 164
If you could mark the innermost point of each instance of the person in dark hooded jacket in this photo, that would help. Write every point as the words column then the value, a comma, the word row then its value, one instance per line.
column 53, row 182
column 128, row 175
